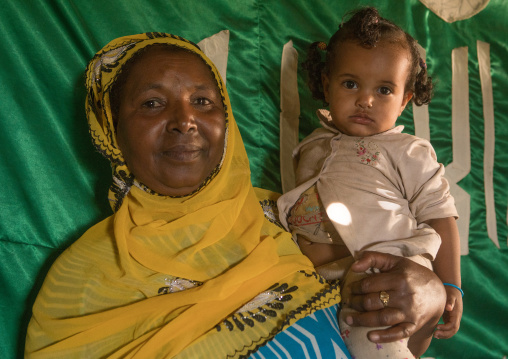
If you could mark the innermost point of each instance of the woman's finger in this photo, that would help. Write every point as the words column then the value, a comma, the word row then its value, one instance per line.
column 378, row 282
column 381, row 261
column 391, row 273
column 400, row 331
column 378, row 318
column 372, row 301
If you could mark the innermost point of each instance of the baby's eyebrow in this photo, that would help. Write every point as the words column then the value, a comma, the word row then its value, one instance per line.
column 347, row 75
column 392, row 84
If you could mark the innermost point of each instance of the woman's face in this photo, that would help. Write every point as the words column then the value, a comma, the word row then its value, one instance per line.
column 171, row 122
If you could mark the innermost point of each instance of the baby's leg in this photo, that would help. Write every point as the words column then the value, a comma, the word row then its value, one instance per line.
column 336, row 269
column 321, row 253
column 356, row 339
column 330, row 260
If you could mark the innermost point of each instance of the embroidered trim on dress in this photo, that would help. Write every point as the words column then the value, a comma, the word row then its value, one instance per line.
column 290, row 318
column 176, row 284
column 367, row 152
column 271, row 211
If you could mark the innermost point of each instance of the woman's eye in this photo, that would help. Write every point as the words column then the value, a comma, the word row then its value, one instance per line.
column 151, row 104
column 349, row 84
column 385, row 91
column 203, row 101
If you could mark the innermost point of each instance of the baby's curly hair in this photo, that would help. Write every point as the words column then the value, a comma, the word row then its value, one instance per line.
column 367, row 28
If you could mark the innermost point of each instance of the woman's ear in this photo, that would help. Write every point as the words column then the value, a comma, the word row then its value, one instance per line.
column 407, row 97
column 325, row 81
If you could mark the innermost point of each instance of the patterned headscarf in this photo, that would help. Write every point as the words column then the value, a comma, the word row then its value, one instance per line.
column 102, row 73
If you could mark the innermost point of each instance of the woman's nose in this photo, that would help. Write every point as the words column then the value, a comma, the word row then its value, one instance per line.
column 181, row 119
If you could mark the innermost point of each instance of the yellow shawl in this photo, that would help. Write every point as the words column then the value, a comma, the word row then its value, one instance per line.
column 201, row 276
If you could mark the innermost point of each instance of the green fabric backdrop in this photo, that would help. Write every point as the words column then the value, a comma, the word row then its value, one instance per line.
column 53, row 185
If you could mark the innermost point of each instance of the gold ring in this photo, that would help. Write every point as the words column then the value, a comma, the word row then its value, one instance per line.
column 384, row 297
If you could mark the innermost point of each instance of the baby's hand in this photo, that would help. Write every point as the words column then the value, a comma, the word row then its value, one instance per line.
column 452, row 314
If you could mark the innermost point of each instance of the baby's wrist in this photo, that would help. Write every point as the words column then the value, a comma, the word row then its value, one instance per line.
column 456, row 287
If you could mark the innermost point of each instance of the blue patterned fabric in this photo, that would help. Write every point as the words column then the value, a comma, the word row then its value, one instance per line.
column 313, row 337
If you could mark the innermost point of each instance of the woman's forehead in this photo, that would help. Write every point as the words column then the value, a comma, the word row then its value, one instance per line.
column 158, row 62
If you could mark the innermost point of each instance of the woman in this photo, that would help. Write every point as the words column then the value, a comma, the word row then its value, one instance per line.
column 188, row 266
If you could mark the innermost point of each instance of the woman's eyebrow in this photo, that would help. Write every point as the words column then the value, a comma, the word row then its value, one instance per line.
column 157, row 86
column 205, row 86
column 147, row 87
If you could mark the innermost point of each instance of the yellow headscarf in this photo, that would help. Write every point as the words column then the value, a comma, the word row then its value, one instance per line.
column 204, row 275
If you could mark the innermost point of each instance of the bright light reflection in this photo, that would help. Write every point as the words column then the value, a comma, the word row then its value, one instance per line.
column 389, row 206
column 386, row 193
column 339, row 213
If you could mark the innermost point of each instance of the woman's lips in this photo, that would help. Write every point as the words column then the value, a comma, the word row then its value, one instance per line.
column 183, row 153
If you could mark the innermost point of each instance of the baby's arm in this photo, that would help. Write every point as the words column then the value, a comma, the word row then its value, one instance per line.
column 447, row 267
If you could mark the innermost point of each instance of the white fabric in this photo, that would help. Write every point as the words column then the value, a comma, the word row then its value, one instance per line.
column 490, row 138
column 461, row 164
column 289, row 115
column 386, row 184
column 454, row 10
column 216, row 47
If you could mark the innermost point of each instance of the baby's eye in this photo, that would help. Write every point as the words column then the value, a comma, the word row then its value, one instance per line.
column 385, row 91
column 349, row 84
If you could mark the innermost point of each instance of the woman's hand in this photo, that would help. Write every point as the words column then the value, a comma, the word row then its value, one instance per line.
column 417, row 300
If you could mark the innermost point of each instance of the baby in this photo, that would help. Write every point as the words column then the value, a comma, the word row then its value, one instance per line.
column 361, row 183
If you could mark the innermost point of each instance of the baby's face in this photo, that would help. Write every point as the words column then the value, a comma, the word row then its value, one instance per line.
column 366, row 87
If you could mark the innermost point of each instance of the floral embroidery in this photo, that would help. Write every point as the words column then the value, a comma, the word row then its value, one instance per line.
column 108, row 60
column 345, row 334
column 175, row 284
column 259, row 309
column 368, row 152
column 271, row 211
column 307, row 211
